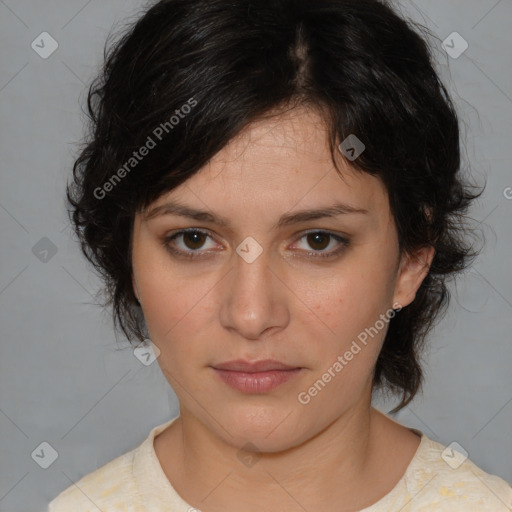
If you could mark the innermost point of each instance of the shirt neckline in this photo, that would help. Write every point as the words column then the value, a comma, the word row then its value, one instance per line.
column 150, row 476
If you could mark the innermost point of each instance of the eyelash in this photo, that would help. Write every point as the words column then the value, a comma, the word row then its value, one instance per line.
column 196, row 254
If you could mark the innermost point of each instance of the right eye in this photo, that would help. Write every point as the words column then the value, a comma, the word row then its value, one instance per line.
column 191, row 241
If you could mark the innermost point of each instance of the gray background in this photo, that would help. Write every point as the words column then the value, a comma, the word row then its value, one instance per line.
column 64, row 378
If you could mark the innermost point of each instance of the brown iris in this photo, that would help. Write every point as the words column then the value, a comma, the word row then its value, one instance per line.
column 196, row 237
column 315, row 238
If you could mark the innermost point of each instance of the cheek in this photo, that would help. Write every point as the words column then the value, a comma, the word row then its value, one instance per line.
column 347, row 298
column 175, row 317
column 173, row 307
column 173, row 302
column 346, row 307
column 342, row 334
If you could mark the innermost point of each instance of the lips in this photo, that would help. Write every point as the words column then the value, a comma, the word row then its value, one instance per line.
column 241, row 365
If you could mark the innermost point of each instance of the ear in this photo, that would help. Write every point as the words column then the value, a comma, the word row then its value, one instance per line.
column 413, row 269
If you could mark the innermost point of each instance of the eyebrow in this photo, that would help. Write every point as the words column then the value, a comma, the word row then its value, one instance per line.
column 174, row 208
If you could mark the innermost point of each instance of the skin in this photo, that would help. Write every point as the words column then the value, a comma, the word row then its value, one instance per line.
column 336, row 453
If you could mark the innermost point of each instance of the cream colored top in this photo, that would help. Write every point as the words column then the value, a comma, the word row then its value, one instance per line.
column 433, row 482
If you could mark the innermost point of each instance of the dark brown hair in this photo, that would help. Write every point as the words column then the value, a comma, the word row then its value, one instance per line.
column 190, row 74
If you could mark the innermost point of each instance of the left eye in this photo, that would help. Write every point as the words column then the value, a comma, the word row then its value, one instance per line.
column 192, row 240
column 320, row 240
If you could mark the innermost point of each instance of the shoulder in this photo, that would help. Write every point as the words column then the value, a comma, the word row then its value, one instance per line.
column 101, row 489
column 443, row 478
column 119, row 484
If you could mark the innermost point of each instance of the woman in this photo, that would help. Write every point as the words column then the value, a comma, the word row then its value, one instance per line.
column 271, row 192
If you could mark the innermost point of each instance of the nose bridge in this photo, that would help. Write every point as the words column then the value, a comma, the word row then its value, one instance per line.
column 250, row 303
column 251, row 278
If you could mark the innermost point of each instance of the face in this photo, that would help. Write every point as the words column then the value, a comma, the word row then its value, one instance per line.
column 254, row 280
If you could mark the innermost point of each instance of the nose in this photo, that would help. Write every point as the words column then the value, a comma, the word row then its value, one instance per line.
column 254, row 298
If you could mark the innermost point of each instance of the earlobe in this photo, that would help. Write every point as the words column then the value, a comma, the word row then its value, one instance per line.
column 414, row 267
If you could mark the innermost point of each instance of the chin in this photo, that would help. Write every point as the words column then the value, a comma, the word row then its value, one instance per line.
column 269, row 429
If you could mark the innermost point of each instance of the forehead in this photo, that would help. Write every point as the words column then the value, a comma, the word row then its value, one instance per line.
column 278, row 164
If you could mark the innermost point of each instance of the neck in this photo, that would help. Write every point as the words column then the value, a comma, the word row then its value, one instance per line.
column 330, row 470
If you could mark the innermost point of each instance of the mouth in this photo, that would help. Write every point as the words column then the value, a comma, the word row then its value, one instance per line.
column 264, row 365
column 256, row 377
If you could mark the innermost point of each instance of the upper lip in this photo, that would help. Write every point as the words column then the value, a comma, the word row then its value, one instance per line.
column 240, row 365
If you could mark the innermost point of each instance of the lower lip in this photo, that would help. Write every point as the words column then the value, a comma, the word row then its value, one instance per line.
column 257, row 382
